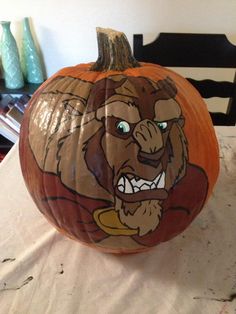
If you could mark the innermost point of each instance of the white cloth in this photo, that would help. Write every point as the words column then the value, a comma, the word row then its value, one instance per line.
column 42, row 271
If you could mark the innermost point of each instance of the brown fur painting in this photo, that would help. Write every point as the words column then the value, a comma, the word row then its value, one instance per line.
column 119, row 150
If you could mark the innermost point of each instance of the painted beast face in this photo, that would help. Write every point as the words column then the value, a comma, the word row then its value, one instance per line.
column 120, row 139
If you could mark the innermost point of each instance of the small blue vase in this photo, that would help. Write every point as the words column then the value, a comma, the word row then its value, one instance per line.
column 31, row 64
column 10, row 59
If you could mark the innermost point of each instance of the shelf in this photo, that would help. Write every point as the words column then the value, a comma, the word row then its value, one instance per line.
column 28, row 89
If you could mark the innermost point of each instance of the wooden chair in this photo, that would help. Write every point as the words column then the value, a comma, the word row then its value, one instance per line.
column 195, row 50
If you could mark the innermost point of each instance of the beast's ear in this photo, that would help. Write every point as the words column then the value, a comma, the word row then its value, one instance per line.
column 168, row 85
column 126, row 89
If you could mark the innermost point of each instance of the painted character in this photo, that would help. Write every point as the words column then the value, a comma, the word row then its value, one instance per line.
column 118, row 149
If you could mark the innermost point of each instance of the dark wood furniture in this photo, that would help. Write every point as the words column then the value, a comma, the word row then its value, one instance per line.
column 195, row 50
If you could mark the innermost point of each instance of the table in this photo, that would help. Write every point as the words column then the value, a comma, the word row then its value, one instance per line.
column 41, row 271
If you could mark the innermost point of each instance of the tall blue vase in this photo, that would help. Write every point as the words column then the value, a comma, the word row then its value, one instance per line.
column 31, row 64
column 10, row 58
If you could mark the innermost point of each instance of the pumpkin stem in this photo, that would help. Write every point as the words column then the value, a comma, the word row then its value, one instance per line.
column 114, row 52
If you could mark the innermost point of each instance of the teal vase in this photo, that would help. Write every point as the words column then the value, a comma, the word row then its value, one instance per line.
column 31, row 64
column 10, row 59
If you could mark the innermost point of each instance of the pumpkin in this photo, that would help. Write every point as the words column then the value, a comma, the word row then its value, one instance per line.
column 117, row 154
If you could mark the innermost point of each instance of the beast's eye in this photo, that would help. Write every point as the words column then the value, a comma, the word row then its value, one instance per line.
column 123, row 127
column 162, row 125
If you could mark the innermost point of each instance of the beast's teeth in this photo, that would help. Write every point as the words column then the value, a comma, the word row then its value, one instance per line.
column 157, row 179
column 128, row 186
column 140, row 182
column 134, row 185
column 161, row 183
column 121, row 185
column 153, row 186
column 121, row 181
column 145, row 187
column 121, row 188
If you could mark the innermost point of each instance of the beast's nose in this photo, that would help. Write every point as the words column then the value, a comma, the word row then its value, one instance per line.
column 149, row 138
column 151, row 159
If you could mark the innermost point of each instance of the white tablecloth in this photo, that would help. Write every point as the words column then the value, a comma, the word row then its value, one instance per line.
column 41, row 271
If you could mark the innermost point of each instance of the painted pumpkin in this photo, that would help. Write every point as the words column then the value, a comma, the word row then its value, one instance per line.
column 117, row 154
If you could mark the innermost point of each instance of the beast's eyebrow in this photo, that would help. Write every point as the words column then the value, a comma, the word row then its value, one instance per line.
column 166, row 110
column 119, row 109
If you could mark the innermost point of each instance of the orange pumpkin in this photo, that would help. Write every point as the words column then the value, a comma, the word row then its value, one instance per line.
column 117, row 154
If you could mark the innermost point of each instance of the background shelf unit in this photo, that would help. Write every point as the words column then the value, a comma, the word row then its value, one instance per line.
column 28, row 89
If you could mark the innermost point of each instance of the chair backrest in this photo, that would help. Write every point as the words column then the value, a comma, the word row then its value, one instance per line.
column 195, row 50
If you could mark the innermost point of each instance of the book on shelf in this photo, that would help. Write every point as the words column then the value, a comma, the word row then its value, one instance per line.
column 11, row 115
column 20, row 107
column 10, row 123
column 10, row 118
column 22, row 102
column 15, row 115
column 8, row 132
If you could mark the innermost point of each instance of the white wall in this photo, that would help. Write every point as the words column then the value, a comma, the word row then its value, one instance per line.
column 65, row 30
